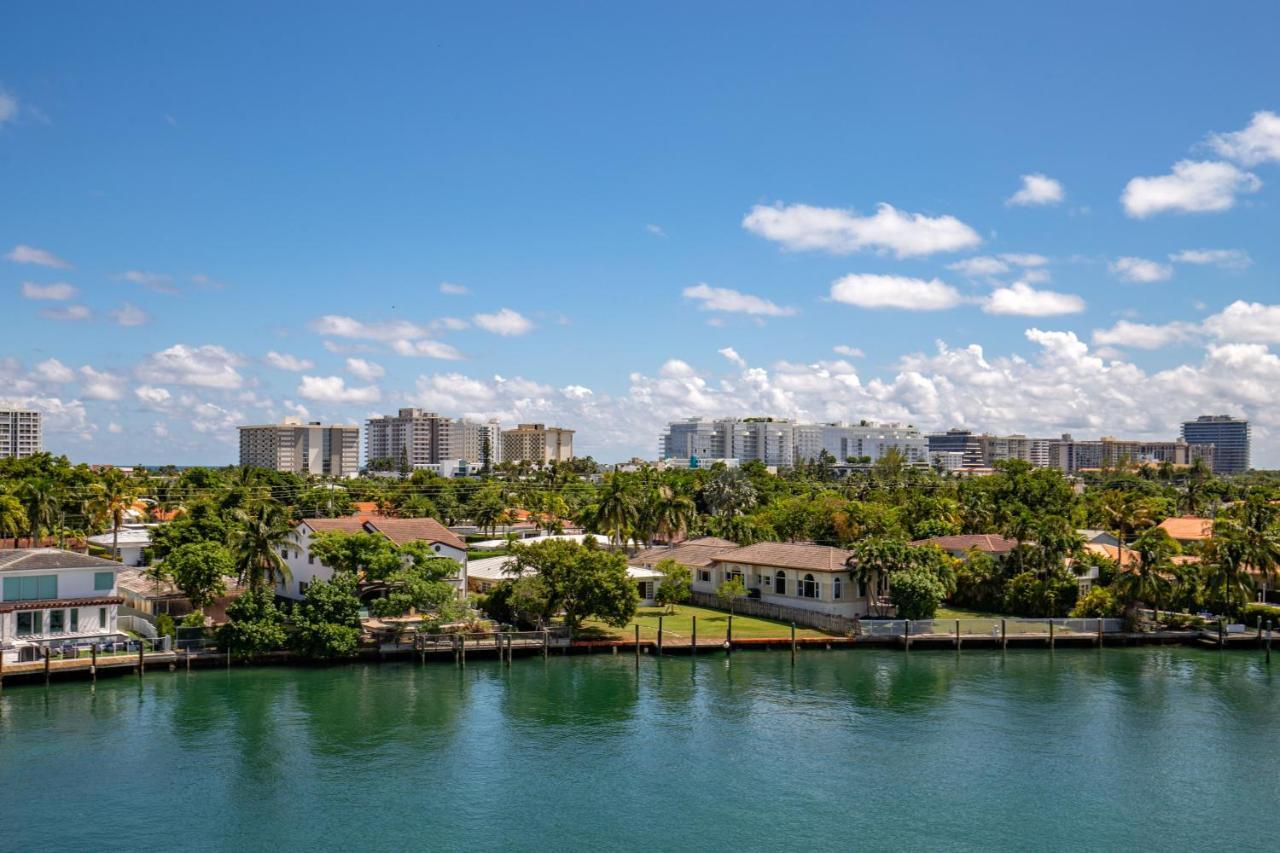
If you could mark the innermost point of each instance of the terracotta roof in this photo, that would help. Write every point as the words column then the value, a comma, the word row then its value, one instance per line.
column 1187, row 528
column 694, row 553
column 346, row 524
column 788, row 555
column 1124, row 558
column 402, row 530
column 46, row 559
column 988, row 542
column 366, row 508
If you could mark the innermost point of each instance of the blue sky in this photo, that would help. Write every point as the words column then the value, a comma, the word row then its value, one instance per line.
column 647, row 212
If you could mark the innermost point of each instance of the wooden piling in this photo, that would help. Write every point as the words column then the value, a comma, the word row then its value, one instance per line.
column 957, row 635
column 793, row 644
column 1, row 670
column 462, row 650
column 1221, row 633
column 1004, row 637
column 906, row 633
column 1100, row 624
column 637, row 627
column 693, row 643
column 728, row 637
column 546, row 642
column 1268, row 641
column 142, row 648
column 1050, row 632
column 659, row 635
column 46, row 664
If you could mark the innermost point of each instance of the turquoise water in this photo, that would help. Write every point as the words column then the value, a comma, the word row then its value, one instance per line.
column 1158, row 748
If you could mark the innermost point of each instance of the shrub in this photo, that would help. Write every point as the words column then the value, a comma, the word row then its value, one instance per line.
column 916, row 593
column 1098, row 603
column 164, row 625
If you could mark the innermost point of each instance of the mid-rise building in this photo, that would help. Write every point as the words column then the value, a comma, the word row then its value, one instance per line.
column 971, row 447
column 537, row 443
column 415, row 439
column 311, row 448
column 870, row 441
column 20, row 433
column 1229, row 436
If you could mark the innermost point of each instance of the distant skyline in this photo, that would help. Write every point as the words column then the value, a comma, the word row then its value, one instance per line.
column 1014, row 218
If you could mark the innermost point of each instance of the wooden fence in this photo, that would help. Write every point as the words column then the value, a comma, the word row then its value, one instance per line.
column 841, row 625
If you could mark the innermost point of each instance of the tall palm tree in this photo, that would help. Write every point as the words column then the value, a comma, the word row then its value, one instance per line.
column 1192, row 498
column 112, row 496
column 41, row 498
column 256, row 546
column 617, row 509
column 673, row 512
column 1125, row 512
column 1261, row 538
column 13, row 518
column 1226, row 567
column 729, row 493
column 1150, row 579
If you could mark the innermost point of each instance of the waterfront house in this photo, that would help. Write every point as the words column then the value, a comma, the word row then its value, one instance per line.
column 693, row 554
column 151, row 598
column 486, row 573
column 55, row 598
column 795, row 575
column 131, row 542
column 305, row 568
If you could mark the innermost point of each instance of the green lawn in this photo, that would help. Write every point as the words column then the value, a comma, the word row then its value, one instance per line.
column 678, row 627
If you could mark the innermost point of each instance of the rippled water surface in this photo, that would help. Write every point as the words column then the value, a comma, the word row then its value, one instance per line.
column 1152, row 749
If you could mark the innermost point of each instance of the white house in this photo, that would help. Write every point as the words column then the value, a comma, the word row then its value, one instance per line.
column 132, row 542
column 50, row 597
column 486, row 573
column 801, row 576
column 305, row 568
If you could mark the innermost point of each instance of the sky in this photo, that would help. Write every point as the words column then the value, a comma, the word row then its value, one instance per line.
column 1014, row 217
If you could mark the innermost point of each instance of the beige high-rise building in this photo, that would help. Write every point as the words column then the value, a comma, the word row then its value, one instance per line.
column 311, row 448
column 537, row 443
column 20, row 433
column 417, row 439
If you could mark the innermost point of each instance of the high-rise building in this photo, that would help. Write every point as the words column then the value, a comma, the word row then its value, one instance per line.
column 782, row 443
column 415, row 439
column 537, row 443
column 20, row 433
column 872, row 441
column 1229, row 436
column 310, row 448
column 971, row 447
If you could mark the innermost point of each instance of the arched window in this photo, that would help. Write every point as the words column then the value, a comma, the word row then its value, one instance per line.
column 780, row 583
column 836, row 587
column 809, row 587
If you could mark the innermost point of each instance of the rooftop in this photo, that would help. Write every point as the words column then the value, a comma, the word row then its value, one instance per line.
column 48, row 559
column 987, row 542
column 694, row 553
column 789, row 555
column 399, row 530
column 1186, row 528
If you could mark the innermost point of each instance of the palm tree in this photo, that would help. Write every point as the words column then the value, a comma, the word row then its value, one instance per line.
column 617, row 510
column 13, row 518
column 1226, row 567
column 1261, row 538
column 729, row 493
column 1150, row 579
column 40, row 498
column 257, row 545
column 1192, row 498
column 673, row 512
column 1126, row 512
column 112, row 496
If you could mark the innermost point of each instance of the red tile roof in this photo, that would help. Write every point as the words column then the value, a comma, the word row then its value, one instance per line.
column 398, row 530
column 1188, row 528
column 694, row 553
column 788, row 555
column 988, row 542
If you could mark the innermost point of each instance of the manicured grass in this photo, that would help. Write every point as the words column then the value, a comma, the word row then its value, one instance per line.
column 678, row 627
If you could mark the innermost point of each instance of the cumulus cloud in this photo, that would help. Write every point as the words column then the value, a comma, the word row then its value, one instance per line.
column 504, row 322
column 1140, row 270
column 846, row 350
column 340, row 326
column 152, row 395
column 656, row 230
column 57, row 292
column 21, row 254
column 1258, row 142
column 100, row 385
column 207, row 366
column 67, row 312
column 895, row 291
column 1036, row 189
column 731, row 355
column 159, row 282
column 730, row 301
column 981, row 266
column 1145, row 336
column 802, row 227
column 333, row 389
column 1223, row 258
column 366, row 370
column 8, row 107
column 286, row 361
column 52, row 370
column 451, row 289
column 129, row 314
column 1246, row 321
column 426, row 349
column 1192, row 187
column 1023, row 300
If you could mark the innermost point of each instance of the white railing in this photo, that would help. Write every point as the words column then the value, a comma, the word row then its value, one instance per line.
column 1012, row 626
column 137, row 625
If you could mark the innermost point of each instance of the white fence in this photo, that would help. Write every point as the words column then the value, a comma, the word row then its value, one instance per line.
column 808, row 618
column 137, row 625
column 989, row 627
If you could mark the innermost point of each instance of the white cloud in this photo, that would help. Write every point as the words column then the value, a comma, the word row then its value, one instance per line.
column 453, row 324
column 1246, row 321
column 21, row 254
column 1144, row 335
column 656, row 230
column 52, row 370
column 333, row 389
column 1022, row 299
column 207, row 366
column 1140, row 270
column 895, row 291
column 1223, row 258
column 731, row 355
column 151, row 394
column 576, row 392
column 803, row 227
column 159, row 282
column 845, row 350
column 286, row 361
column 451, row 289
column 115, row 428
column 427, row 349
column 100, row 385
column 1037, row 189
column 57, row 292
column 980, row 266
column 1258, row 143
column 731, row 301
column 8, row 107
column 1192, row 187
column 366, row 370
column 504, row 322
column 68, row 312
column 129, row 314
column 348, row 327
column 1024, row 259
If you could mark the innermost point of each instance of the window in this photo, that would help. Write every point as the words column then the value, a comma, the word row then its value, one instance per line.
column 284, row 553
column 31, row 588
column 780, row 583
column 765, row 581
column 302, row 587
column 835, row 588
column 75, row 619
column 734, row 574
column 102, row 618
column 704, row 575
column 24, row 622
column 57, row 621
column 311, row 559
column 809, row 587
column 103, row 580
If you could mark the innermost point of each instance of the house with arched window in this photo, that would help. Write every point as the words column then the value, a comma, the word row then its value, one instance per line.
column 788, row 574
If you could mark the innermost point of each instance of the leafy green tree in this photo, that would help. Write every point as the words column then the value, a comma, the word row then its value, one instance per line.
column 13, row 518
column 730, row 591
column 1097, row 603
column 581, row 582
column 254, row 624
column 256, row 546
column 112, row 497
column 200, row 570
column 676, row 586
column 1150, row 578
column 165, row 625
column 324, row 501
column 327, row 622
column 40, row 500
column 362, row 555
column 202, row 522
column 1228, row 587
column 980, row 582
column 916, row 593
column 419, row 582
